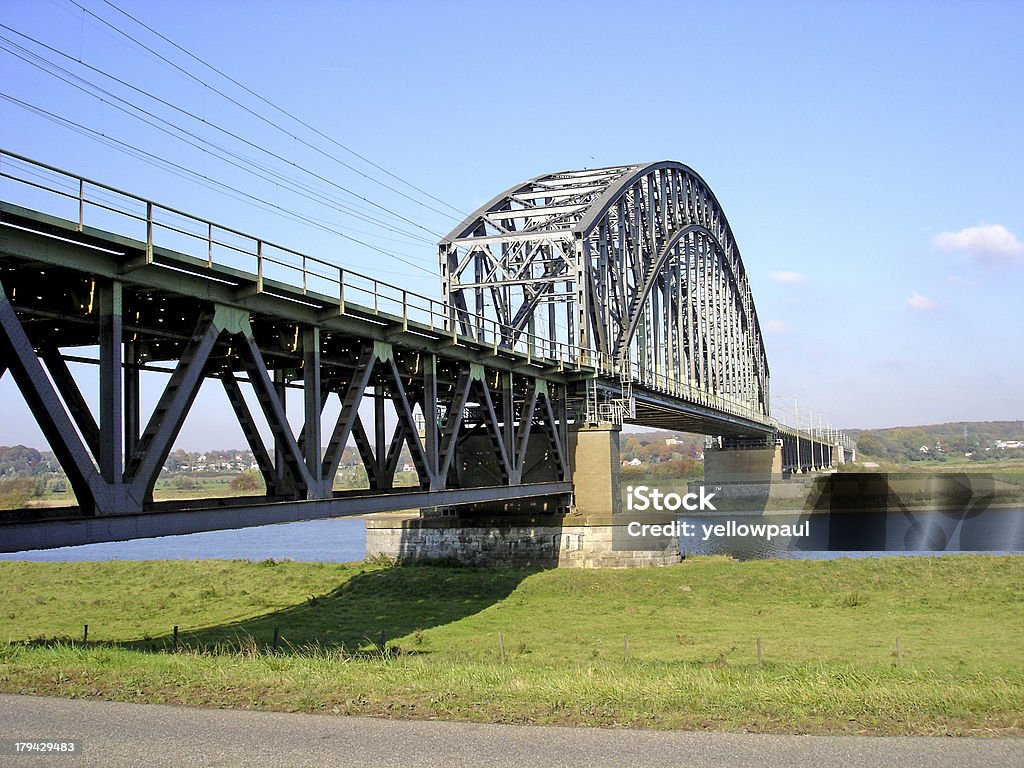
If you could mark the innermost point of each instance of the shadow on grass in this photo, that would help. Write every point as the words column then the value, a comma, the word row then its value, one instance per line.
column 360, row 616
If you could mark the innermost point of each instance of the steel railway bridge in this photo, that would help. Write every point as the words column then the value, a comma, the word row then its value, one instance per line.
column 573, row 300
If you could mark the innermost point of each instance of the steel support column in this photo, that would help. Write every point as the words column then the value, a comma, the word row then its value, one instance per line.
column 111, row 389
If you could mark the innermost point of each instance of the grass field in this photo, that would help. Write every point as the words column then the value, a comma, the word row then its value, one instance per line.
column 664, row 648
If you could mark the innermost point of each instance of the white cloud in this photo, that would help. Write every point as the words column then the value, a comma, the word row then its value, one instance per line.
column 920, row 303
column 787, row 277
column 991, row 244
column 776, row 326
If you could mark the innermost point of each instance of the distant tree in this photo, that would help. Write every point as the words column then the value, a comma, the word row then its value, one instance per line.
column 247, row 483
column 14, row 494
column 185, row 483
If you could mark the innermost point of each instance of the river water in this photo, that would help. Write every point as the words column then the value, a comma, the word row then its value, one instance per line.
column 341, row 540
column 863, row 534
column 829, row 535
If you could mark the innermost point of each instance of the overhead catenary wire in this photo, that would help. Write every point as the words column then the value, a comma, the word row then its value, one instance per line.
column 263, row 118
column 221, row 129
column 303, row 123
column 206, row 181
column 292, row 184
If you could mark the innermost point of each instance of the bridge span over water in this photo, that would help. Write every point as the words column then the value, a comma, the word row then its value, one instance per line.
column 571, row 303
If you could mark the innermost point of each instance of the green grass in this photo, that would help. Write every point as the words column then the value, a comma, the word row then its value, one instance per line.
column 828, row 631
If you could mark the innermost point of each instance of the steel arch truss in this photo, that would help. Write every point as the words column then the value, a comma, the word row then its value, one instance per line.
column 636, row 266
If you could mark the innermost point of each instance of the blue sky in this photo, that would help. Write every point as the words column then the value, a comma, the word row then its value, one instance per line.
column 868, row 155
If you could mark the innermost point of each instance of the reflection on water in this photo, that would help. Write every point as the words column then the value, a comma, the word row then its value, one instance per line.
column 867, row 533
column 330, row 541
column 860, row 514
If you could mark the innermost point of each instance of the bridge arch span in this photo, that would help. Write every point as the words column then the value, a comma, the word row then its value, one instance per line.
column 634, row 265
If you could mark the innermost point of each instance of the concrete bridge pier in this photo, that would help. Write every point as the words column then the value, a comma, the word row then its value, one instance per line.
column 743, row 464
column 585, row 531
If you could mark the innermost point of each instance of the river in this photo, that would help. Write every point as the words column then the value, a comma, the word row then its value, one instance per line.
column 829, row 535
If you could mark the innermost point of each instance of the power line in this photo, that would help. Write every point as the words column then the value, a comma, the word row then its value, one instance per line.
column 293, row 184
column 282, row 110
column 254, row 113
column 206, row 181
column 214, row 125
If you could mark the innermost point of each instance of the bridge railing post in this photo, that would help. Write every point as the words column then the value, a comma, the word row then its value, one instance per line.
column 149, row 232
column 259, row 266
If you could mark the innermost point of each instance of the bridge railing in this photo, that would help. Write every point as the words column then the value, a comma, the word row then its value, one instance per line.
column 691, row 392
column 273, row 267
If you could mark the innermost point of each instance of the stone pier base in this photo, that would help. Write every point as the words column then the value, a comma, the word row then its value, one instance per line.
column 545, row 543
column 747, row 465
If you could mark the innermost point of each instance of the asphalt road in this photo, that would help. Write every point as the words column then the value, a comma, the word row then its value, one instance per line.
column 115, row 735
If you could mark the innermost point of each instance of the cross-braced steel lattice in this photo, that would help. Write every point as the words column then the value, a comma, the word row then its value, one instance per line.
column 636, row 266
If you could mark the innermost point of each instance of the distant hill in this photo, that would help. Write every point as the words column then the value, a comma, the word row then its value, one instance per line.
column 897, row 444
column 958, row 437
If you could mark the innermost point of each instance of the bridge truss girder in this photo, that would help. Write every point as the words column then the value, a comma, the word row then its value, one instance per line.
column 636, row 265
column 397, row 388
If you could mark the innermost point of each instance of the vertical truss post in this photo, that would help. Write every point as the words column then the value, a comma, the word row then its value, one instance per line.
column 580, row 279
column 380, row 445
column 111, row 390
column 280, row 451
column 312, row 403
column 508, row 418
column 430, row 428
column 132, row 403
column 522, row 444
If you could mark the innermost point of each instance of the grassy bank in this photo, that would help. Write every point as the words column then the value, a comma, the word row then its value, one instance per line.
column 828, row 634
